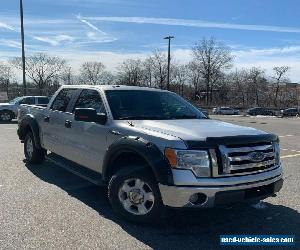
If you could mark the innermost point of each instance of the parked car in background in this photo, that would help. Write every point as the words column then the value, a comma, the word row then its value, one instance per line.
column 290, row 112
column 260, row 111
column 9, row 111
column 225, row 111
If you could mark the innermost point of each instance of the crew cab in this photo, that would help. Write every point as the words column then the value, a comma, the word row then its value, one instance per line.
column 9, row 111
column 151, row 148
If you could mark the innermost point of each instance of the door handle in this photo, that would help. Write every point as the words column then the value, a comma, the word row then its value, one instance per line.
column 68, row 124
column 46, row 119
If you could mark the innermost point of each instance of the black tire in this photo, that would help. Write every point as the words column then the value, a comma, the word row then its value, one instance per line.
column 6, row 116
column 35, row 156
column 114, row 188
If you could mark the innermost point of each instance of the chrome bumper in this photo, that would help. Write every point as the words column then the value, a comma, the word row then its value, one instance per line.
column 227, row 191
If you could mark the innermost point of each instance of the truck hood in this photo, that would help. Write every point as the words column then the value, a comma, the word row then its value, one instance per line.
column 195, row 129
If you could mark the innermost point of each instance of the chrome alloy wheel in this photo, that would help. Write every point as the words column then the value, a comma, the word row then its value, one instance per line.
column 136, row 196
column 29, row 147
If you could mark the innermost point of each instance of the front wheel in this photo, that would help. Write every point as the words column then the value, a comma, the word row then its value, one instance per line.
column 134, row 195
column 33, row 154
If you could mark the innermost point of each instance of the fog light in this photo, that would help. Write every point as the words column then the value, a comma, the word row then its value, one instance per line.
column 198, row 198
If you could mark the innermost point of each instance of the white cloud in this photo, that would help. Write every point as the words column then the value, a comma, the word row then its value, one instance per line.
column 6, row 26
column 97, row 35
column 195, row 23
column 54, row 40
column 91, row 25
column 10, row 43
column 110, row 59
column 267, row 52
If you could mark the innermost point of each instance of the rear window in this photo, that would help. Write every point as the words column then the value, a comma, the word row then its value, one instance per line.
column 42, row 100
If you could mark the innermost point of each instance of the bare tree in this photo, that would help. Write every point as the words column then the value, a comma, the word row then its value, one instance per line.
column 92, row 73
column 194, row 77
column 107, row 78
column 179, row 77
column 148, row 72
column 67, row 76
column 160, row 68
column 279, row 75
column 6, row 75
column 257, row 82
column 211, row 57
column 131, row 72
column 238, row 84
column 41, row 68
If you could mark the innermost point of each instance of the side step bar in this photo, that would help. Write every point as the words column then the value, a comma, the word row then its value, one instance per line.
column 76, row 169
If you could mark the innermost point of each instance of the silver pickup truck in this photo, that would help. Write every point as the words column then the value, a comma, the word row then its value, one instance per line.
column 151, row 148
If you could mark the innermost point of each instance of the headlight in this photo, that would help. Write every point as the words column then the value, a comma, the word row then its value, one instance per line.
column 195, row 160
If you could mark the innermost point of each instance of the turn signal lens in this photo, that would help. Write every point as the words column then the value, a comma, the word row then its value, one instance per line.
column 171, row 156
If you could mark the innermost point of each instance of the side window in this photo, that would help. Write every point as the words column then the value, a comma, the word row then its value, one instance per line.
column 90, row 99
column 43, row 100
column 27, row 100
column 62, row 100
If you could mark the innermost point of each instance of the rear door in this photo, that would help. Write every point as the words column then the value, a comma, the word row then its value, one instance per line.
column 54, row 130
column 87, row 140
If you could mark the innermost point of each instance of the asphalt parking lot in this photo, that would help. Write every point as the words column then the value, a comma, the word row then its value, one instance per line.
column 46, row 207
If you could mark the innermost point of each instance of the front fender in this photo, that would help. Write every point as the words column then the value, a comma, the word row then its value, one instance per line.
column 147, row 150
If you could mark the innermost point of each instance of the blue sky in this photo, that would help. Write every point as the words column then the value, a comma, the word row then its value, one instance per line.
column 260, row 33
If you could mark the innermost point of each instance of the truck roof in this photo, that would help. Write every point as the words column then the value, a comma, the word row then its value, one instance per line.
column 112, row 87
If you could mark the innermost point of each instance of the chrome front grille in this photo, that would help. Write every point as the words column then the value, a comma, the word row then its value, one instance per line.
column 246, row 158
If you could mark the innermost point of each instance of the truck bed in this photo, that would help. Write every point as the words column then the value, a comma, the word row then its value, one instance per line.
column 34, row 110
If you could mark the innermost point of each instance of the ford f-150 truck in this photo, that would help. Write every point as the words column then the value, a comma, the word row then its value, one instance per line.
column 9, row 111
column 151, row 148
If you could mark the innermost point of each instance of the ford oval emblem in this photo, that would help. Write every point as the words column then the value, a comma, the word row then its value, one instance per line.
column 256, row 156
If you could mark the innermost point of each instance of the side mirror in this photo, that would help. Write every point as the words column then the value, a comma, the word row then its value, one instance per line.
column 89, row 115
column 85, row 115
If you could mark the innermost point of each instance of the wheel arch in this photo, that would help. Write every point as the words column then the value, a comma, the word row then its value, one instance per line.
column 135, row 150
column 27, row 124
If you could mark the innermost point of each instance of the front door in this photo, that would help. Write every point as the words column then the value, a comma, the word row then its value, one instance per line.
column 87, row 140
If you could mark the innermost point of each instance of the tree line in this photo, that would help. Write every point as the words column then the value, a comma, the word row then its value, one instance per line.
column 209, row 78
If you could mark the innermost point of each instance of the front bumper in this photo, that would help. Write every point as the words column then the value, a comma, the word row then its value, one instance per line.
column 254, row 188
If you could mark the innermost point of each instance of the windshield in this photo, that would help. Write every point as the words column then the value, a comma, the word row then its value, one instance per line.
column 14, row 101
column 151, row 105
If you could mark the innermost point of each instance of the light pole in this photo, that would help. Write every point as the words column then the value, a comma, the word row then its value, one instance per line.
column 23, row 47
column 169, row 59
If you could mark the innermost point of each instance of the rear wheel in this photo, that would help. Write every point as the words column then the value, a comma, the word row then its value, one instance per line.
column 33, row 154
column 134, row 195
column 6, row 116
